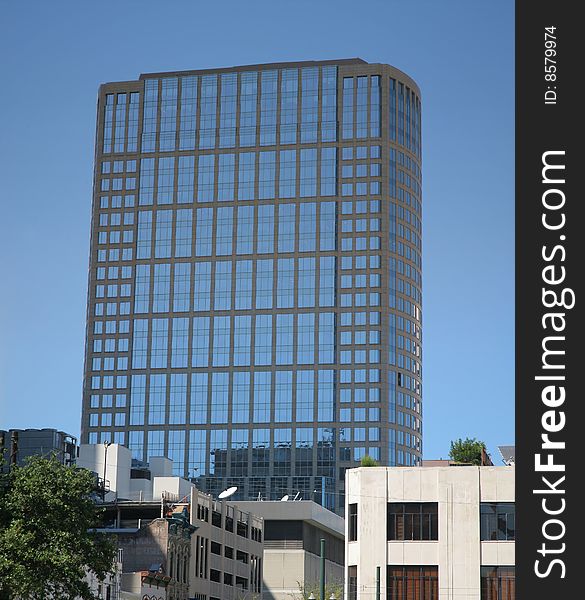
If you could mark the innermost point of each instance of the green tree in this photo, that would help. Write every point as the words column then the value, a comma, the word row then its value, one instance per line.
column 468, row 450
column 4, row 486
column 314, row 587
column 368, row 461
column 46, row 540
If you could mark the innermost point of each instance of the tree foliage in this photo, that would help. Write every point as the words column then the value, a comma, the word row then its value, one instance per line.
column 468, row 450
column 368, row 461
column 314, row 587
column 47, row 515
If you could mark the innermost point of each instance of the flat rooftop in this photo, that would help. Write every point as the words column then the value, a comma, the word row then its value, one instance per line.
column 299, row 510
column 262, row 66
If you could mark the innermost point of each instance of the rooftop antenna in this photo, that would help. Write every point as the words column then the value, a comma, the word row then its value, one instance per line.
column 284, row 498
column 297, row 496
column 229, row 492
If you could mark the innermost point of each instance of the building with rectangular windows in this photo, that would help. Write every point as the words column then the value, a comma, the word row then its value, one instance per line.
column 430, row 533
column 293, row 531
column 207, row 549
column 17, row 445
column 254, row 307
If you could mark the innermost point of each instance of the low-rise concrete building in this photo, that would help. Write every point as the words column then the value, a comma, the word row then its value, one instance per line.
column 292, row 540
column 210, row 549
column 430, row 533
column 164, row 545
column 229, row 544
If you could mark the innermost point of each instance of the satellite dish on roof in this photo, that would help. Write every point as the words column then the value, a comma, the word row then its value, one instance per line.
column 284, row 498
column 229, row 492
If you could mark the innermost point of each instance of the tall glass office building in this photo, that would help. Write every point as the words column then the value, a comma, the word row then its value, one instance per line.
column 254, row 305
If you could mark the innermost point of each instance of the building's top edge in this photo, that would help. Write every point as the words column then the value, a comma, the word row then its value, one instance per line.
column 39, row 430
column 303, row 510
column 262, row 66
column 111, row 85
column 118, row 530
column 450, row 468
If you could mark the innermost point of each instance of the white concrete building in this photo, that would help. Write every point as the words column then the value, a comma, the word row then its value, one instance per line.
column 122, row 480
column 292, row 549
column 436, row 533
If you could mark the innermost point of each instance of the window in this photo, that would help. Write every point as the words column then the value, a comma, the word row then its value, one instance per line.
column 215, row 575
column 498, row 583
column 229, row 526
column 241, row 582
column 256, row 534
column 412, row 521
column 352, row 581
column 202, row 512
column 412, row 582
column 497, row 521
column 242, row 528
column 215, row 548
column 353, row 522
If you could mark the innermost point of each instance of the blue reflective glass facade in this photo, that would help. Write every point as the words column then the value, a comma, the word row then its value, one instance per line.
column 255, row 275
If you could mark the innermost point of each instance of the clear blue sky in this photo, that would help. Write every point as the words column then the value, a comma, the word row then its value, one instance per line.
column 55, row 55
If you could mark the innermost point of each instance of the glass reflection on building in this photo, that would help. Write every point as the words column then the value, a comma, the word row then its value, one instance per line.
column 255, row 275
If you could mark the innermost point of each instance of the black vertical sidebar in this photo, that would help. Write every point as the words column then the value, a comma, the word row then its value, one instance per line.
column 550, row 268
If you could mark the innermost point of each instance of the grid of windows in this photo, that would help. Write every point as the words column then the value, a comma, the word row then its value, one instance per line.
column 237, row 226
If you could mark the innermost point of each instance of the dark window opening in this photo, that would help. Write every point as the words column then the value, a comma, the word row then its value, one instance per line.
column 353, row 524
column 229, row 524
column 498, row 521
column 215, row 575
column 215, row 548
column 202, row 512
column 352, row 583
column 216, row 518
column 242, row 529
column 256, row 534
column 412, row 521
